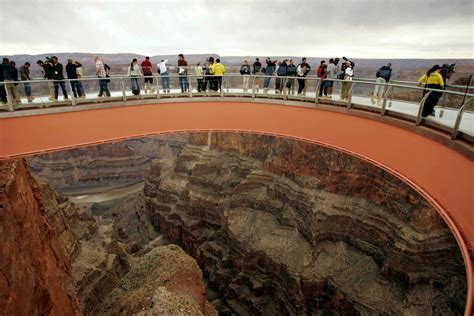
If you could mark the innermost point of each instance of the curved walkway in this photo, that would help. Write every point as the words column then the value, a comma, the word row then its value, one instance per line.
column 444, row 176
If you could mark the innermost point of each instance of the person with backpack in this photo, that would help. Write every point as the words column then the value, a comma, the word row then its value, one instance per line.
column 165, row 77
column 245, row 72
column 147, row 73
column 134, row 72
column 101, row 71
column 282, row 71
column 291, row 73
column 383, row 76
column 432, row 80
column 321, row 73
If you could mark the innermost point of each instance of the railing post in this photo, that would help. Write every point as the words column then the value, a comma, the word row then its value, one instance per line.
column 420, row 109
column 222, row 87
column 11, row 108
column 384, row 102
column 284, row 90
column 318, row 88
column 158, row 87
column 457, row 123
column 124, row 94
column 349, row 97
column 73, row 98
column 253, row 86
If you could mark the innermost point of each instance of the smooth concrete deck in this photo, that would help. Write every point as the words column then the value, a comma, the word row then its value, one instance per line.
column 444, row 176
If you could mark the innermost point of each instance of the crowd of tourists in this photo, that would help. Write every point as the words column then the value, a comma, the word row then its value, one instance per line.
column 209, row 77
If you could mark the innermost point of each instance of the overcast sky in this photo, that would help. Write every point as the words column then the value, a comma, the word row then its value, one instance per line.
column 356, row 28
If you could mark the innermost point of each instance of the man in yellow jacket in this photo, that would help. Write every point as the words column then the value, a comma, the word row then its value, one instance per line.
column 432, row 80
column 217, row 69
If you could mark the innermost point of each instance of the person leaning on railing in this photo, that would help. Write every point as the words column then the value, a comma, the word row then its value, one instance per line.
column 383, row 76
column 47, row 71
column 134, row 72
column 245, row 72
column 432, row 80
column 25, row 76
column 102, row 74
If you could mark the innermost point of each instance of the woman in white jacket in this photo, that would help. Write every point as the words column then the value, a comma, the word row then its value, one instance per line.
column 133, row 72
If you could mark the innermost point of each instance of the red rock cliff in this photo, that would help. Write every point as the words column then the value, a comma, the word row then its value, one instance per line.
column 34, row 272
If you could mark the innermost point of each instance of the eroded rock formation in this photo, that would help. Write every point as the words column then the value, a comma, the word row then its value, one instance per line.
column 286, row 227
column 35, row 276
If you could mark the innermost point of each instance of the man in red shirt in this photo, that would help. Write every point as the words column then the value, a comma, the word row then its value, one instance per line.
column 147, row 73
column 321, row 75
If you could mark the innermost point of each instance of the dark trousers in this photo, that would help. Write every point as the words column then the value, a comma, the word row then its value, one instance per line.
column 200, row 85
column 57, row 84
column 76, row 91
column 3, row 93
column 213, row 83
column 218, row 83
column 104, row 87
column 301, row 83
column 432, row 99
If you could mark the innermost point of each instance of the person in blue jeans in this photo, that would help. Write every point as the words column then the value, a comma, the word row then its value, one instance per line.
column 268, row 71
column 165, row 77
column 25, row 76
column 58, row 78
column 183, row 73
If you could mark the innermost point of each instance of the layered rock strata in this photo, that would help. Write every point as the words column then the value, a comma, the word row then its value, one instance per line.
column 105, row 167
column 35, row 275
column 284, row 227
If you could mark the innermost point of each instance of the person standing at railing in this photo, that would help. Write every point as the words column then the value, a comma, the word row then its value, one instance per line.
column 199, row 77
column 321, row 73
column 212, row 82
column 58, row 78
column 71, row 71
column 8, row 79
column 47, row 71
column 148, row 73
column 134, row 72
column 432, row 80
column 165, row 77
column 257, row 67
column 331, row 73
column 383, row 76
column 183, row 73
column 219, row 71
column 245, row 72
column 282, row 71
column 268, row 70
column 301, row 72
column 16, row 87
column 346, row 85
column 290, row 84
column 25, row 76
column 80, row 75
column 101, row 72
column 3, row 92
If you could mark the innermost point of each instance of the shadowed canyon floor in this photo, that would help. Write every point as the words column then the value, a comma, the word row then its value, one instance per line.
column 277, row 226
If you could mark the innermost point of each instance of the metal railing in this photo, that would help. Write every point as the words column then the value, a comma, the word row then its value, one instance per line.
column 404, row 101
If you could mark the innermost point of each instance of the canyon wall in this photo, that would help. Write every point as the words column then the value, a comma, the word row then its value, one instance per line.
column 35, row 276
column 285, row 227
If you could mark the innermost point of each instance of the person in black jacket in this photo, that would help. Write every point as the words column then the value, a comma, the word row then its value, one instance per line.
column 47, row 70
column 58, row 78
column 282, row 71
column 245, row 72
column 383, row 76
column 3, row 67
column 15, row 87
column 291, row 70
column 71, row 71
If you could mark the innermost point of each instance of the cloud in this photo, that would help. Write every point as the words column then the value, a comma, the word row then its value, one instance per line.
column 359, row 28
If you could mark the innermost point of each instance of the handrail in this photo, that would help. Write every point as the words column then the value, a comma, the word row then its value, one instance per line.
column 457, row 123
column 283, row 94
